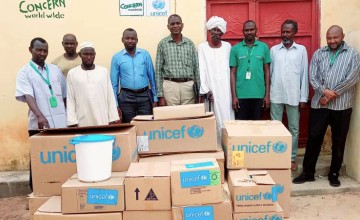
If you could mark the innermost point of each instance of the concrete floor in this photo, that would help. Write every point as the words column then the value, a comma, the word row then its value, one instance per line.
column 343, row 206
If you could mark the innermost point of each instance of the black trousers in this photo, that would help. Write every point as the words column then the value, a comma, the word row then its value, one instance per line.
column 319, row 120
column 133, row 104
column 250, row 109
column 31, row 133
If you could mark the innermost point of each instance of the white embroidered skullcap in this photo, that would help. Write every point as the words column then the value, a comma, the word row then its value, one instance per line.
column 218, row 22
column 86, row 44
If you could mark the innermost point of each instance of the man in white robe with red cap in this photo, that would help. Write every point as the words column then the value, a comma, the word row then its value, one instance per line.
column 215, row 72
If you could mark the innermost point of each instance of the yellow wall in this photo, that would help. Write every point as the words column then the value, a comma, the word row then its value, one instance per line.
column 99, row 21
column 95, row 20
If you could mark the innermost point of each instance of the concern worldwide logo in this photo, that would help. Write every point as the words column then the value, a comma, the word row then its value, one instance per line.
column 193, row 131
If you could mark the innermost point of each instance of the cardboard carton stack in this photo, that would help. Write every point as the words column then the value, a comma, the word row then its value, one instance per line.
column 259, row 146
column 147, row 191
column 176, row 133
column 53, row 158
column 81, row 200
column 197, row 192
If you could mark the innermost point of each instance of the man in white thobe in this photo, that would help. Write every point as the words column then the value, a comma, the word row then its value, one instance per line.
column 215, row 72
column 90, row 100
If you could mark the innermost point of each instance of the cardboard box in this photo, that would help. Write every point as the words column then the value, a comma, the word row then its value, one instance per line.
column 195, row 182
column 218, row 155
column 282, row 179
column 217, row 211
column 104, row 196
column 256, row 145
column 147, row 186
column 51, row 210
column 274, row 215
column 148, row 215
column 34, row 203
column 179, row 111
column 176, row 135
column 53, row 157
column 252, row 191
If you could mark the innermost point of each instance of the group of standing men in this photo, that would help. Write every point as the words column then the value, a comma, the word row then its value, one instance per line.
column 236, row 82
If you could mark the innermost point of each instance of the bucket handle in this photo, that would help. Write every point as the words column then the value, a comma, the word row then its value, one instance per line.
column 73, row 142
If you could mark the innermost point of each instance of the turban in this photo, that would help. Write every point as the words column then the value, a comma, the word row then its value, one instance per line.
column 86, row 44
column 218, row 22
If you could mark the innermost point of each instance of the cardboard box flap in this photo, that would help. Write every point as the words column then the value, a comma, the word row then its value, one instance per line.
column 113, row 174
column 151, row 118
column 251, row 178
column 194, row 164
column 179, row 111
column 218, row 155
column 53, row 205
column 255, row 128
column 125, row 128
column 154, row 169
column 113, row 181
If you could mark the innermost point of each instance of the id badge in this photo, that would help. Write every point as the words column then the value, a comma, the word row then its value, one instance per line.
column 248, row 75
column 53, row 102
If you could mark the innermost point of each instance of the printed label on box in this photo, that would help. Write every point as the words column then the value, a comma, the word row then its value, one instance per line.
column 215, row 177
column 199, row 178
column 238, row 158
column 102, row 196
column 143, row 143
column 199, row 213
column 197, row 165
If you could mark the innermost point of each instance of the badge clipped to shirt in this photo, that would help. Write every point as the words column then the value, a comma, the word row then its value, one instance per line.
column 248, row 75
column 53, row 102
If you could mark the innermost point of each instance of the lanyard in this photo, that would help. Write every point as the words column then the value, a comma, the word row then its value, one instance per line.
column 249, row 55
column 334, row 56
column 42, row 77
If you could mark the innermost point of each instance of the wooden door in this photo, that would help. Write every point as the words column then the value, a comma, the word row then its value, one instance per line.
column 269, row 15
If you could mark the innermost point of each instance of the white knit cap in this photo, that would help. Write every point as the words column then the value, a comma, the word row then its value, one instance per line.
column 86, row 44
column 218, row 22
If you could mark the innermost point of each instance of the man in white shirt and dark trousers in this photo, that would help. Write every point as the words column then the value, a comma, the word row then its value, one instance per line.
column 42, row 87
column 289, row 82
column 334, row 72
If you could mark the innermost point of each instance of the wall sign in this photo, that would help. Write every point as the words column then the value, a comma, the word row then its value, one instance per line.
column 158, row 8
column 131, row 7
column 45, row 9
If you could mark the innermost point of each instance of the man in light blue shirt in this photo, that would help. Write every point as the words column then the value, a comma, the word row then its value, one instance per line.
column 133, row 69
column 289, row 85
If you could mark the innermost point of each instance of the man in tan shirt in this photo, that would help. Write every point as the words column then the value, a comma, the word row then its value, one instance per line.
column 70, row 58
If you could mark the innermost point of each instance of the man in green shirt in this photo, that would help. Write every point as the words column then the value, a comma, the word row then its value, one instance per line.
column 250, row 75
column 177, row 67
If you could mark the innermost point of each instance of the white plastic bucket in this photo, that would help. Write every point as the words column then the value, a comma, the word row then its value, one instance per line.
column 93, row 156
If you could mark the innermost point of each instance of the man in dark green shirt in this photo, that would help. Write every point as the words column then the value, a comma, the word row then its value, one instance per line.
column 250, row 75
column 177, row 66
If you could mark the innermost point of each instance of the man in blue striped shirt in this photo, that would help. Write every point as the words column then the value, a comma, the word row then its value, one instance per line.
column 133, row 68
column 334, row 72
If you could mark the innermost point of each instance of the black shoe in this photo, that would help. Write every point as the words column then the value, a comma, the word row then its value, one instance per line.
column 303, row 178
column 334, row 180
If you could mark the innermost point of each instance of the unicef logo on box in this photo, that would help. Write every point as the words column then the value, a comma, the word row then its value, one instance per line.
column 279, row 147
column 158, row 4
column 195, row 131
column 275, row 217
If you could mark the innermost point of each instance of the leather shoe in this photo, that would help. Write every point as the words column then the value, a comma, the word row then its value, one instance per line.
column 334, row 180
column 303, row 178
